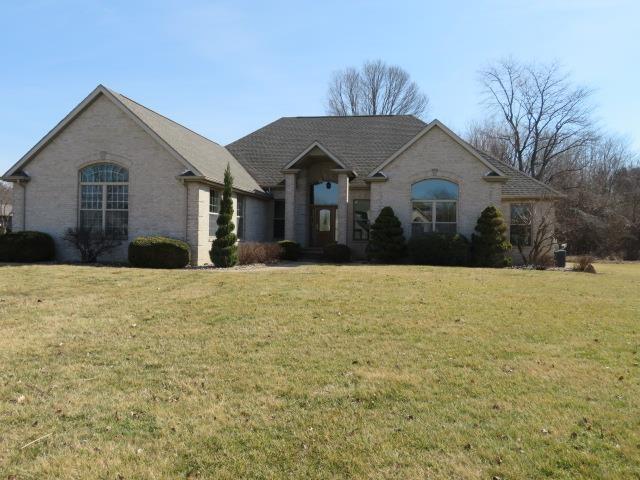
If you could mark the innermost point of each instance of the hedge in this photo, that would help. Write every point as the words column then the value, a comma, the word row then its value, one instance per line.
column 439, row 249
column 290, row 250
column 336, row 252
column 26, row 247
column 159, row 252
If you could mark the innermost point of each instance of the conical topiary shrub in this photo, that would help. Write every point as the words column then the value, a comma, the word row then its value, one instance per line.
column 489, row 245
column 224, row 251
column 386, row 240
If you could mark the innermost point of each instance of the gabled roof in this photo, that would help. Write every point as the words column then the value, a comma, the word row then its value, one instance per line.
column 364, row 144
column 360, row 142
column 315, row 146
column 519, row 184
column 203, row 157
column 454, row 137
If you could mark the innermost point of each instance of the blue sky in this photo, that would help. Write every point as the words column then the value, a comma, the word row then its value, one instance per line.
column 227, row 68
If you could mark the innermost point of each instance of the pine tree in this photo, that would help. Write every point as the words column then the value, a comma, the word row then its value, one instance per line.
column 224, row 251
column 386, row 241
column 490, row 247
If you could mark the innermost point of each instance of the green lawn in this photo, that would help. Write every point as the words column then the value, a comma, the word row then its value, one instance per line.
column 319, row 372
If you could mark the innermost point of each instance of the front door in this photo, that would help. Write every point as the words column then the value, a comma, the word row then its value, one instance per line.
column 323, row 227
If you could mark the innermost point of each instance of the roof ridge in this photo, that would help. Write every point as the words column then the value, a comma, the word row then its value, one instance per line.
column 165, row 117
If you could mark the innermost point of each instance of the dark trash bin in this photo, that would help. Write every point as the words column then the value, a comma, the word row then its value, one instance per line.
column 560, row 256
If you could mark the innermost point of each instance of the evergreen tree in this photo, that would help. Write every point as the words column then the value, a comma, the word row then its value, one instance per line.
column 490, row 247
column 386, row 240
column 224, row 251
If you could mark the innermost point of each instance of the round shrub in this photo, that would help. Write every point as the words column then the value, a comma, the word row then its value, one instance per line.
column 337, row 253
column 386, row 241
column 26, row 247
column 439, row 249
column 290, row 250
column 159, row 252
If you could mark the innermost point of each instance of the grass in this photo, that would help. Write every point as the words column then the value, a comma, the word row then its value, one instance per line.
column 319, row 372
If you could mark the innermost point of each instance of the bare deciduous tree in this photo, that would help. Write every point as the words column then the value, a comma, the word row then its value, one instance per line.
column 91, row 243
column 5, row 206
column 376, row 89
column 542, row 221
column 540, row 116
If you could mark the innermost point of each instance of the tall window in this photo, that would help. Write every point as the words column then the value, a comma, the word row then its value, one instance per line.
column 434, row 206
column 214, row 210
column 278, row 220
column 104, row 199
column 521, row 224
column 361, row 219
column 240, row 216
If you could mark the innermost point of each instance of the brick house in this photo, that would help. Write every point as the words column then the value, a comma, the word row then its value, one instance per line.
column 116, row 165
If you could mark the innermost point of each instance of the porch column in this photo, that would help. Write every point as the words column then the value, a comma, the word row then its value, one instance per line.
column 197, row 231
column 19, row 215
column 342, row 224
column 290, row 204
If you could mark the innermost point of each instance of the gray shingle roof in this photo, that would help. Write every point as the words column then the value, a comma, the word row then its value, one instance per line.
column 519, row 184
column 205, row 155
column 361, row 142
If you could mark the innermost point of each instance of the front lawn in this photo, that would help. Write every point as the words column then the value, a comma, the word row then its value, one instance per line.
column 319, row 372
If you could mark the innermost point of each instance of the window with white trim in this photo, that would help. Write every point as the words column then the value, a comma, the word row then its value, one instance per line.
column 434, row 204
column 520, row 229
column 214, row 211
column 104, row 199
column 241, row 201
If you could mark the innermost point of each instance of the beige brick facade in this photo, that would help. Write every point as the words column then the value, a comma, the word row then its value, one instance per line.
column 159, row 203
column 103, row 133
column 436, row 155
column 164, row 202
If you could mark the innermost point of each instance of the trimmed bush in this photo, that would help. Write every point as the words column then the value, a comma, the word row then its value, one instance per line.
column 386, row 241
column 337, row 253
column 439, row 249
column 254, row 252
column 290, row 250
column 159, row 252
column 26, row 247
column 224, row 250
column 489, row 245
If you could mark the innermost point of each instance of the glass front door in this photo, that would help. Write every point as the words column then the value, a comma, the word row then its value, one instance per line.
column 323, row 225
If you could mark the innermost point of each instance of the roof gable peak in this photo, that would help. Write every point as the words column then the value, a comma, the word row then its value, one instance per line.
column 306, row 151
column 431, row 125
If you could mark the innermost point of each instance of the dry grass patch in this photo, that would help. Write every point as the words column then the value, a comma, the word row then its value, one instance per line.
column 319, row 372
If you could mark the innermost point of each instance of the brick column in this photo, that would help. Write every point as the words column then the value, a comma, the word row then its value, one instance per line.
column 342, row 223
column 198, row 222
column 18, row 221
column 290, row 204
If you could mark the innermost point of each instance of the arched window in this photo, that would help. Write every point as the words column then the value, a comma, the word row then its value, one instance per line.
column 104, row 199
column 434, row 204
column 324, row 193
